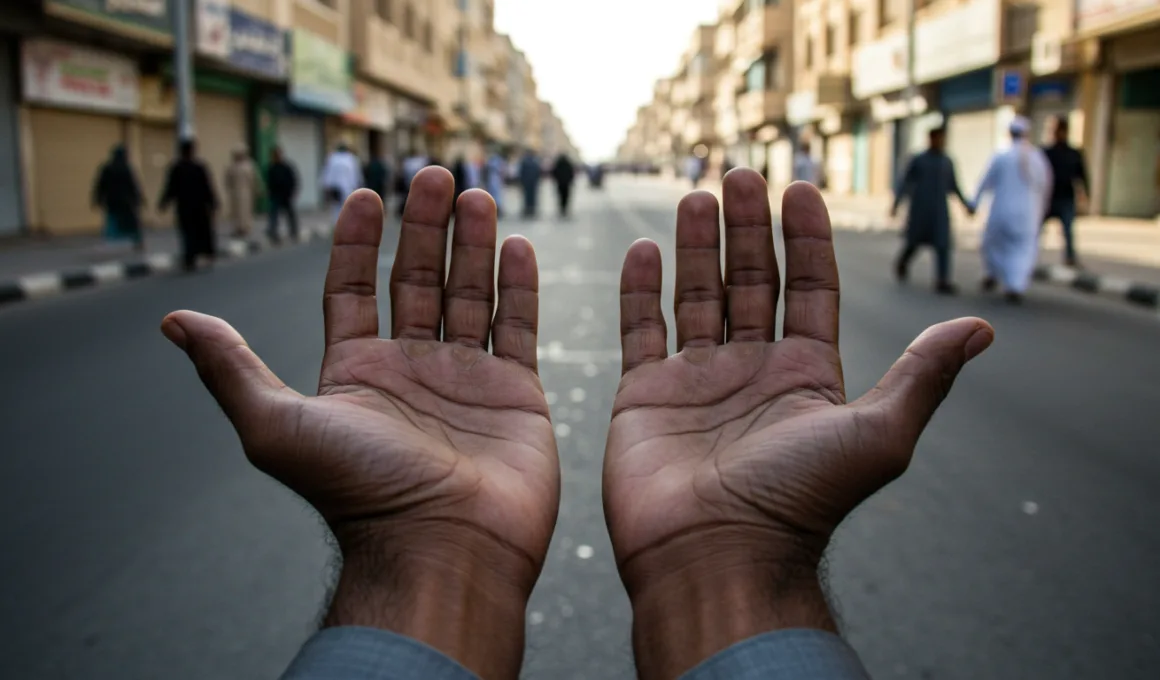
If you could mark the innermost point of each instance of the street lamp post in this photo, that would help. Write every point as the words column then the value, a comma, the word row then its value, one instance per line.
column 183, row 69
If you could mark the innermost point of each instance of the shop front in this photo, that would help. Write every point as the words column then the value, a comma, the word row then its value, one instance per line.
column 321, row 84
column 366, row 125
column 79, row 104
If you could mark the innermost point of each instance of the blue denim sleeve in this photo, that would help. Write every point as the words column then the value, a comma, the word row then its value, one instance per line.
column 353, row 653
column 788, row 654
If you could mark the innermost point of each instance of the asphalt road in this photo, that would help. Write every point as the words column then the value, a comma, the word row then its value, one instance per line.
column 138, row 543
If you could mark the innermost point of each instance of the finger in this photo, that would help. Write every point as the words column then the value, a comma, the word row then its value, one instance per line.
column 242, row 385
column 811, row 270
column 420, row 261
column 469, row 299
column 911, row 391
column 643, row 336
column 349, row 307
column 752, row 282
column 700, row 297
column 513, row 334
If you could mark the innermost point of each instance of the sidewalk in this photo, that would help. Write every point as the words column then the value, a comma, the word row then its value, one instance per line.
column 1121, row 256
column 39, row 266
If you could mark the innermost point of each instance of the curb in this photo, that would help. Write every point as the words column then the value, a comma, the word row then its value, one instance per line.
column 51, row 284
column 1140, row 294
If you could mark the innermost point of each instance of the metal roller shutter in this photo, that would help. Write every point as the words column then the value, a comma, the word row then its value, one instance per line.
column 68, row 149
column 220, row 122
column 970, row 144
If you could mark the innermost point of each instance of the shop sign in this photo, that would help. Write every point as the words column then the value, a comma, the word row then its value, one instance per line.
column 320, row 74
column 960, row 40
column 372, row 108
column 67, row 75
column 1093, row 14
column 243, row 40
column 148, row 14
column 799, row 107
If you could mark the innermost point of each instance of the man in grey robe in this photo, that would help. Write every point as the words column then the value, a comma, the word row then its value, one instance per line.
column 928, row 179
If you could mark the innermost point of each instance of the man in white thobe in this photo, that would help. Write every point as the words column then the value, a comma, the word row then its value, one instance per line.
column 496, row 173
column 1019, row 181
column 341, row 176
column 805, row 168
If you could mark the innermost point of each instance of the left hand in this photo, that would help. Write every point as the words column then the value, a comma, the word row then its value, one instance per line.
column 432, row 460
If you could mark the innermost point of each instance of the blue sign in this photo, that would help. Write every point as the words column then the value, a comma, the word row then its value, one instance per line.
column 1058, row 90
column 1012, row 86
column 257, row 45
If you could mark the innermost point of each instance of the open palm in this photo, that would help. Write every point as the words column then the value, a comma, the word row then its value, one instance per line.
column 426, row 436
column 742, row 448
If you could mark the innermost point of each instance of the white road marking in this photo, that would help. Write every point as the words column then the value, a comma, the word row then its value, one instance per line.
column 41, row 285
column 110, row 271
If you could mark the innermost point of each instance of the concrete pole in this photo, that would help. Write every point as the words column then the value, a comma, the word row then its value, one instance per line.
column 183, row 69
column 911, row 91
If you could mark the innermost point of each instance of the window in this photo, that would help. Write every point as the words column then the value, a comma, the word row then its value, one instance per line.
column 409, row 21
column 772, row 70
column 831, row 39
column 384, row 9
column 808, row 57
column 854, row 26
column 428, row 38
column 885, row 12
column 755, row 77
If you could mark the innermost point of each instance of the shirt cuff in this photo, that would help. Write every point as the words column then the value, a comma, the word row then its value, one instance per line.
column 356, row 653
column 797, row 654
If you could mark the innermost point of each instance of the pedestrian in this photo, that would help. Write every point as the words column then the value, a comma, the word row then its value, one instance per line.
column 412, row 164
column 118, row 194
column 925, row 184
column 341, row 177
column 805, row 167
column 530, row 173
column 243, row 187
column 564, row 173
column 495, row 173
column 719, row 539
column 188, row 185
column 694, row 169
column 1067, row 170
column 1019, row 181
column 377, row 177
column 459, row 176
column 282, row 189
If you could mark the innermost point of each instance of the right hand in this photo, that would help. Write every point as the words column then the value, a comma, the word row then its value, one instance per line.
column 729, row 465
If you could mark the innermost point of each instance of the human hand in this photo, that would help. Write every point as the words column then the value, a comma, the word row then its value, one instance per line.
column 729, row 465
column 433, row 462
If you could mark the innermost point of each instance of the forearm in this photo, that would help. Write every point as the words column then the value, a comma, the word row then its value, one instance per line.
column 686, row 611
column 460, row 599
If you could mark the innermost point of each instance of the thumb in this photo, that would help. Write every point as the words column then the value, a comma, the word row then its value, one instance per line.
column 242, row 385
column 911, row 391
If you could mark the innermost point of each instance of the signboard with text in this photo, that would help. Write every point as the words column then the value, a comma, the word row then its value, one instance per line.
column 243, row 40
column 1093, row 14
column 67, row 75
column 152, row 15
column 320, row 74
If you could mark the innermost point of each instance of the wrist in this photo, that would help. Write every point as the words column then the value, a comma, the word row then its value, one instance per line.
column 457, row 593
column 699, row 595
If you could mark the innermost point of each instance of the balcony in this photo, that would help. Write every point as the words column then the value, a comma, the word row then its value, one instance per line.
column 765, row 28
column 834, row 90
column 319, row 19
column 755, row 109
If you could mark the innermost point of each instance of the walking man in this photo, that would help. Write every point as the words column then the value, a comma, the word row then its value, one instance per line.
column 494, row 175
column 341, row 177
column 242, row 187
column 188, row 185
column 1067, row 169
column 805, row 168
column 118, row 193
column 565, row 174
column 530, row 180
column 1019, row 180
column 925, row 184
column 282, row 187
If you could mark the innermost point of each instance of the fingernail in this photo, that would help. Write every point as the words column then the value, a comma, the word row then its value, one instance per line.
column 978, row 342
column 176, row 334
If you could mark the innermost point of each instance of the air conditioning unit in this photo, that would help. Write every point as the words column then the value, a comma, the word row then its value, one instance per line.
column 1046, row 54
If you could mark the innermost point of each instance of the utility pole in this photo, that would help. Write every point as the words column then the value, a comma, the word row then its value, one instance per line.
column 183, row 69
column 910, row 93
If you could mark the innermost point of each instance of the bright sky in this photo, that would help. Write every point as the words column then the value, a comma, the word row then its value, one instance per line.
column 596, row 60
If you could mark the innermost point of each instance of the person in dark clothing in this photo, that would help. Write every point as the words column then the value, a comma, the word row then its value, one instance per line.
column 282, row 187
column 1067, row 168
column 377, row 177
column 188, row 185
column 459, row 174
column 565, row 174
column 117, row 193
column 928, row 178
column 530, row 174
